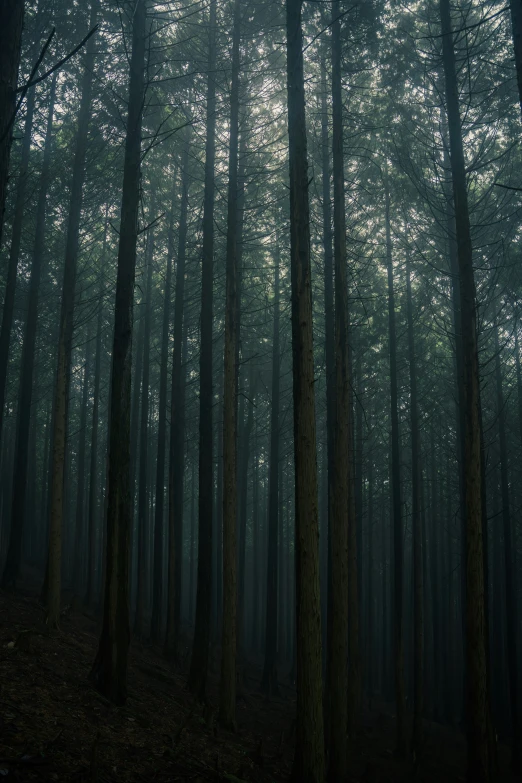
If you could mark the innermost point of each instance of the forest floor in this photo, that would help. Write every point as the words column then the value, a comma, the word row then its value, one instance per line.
column 54, row 726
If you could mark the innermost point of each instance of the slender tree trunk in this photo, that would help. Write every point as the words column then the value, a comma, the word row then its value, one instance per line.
column 109, row 671
column 93, row 470
column 11, row 21
column 418, row 587
column 509, row 570
column 192, row 532
column 14, row 552
column 309, row 751
column 255, row 548
column 477, row 693
column 516, row 26
column 14, row 252
column 177, row 424
column 199, row 661
column 227, row 692
column 143, row 506
column 343, row 458
column 269, row 682
column 243, row 500
column 396, row 498
column 157, row 578
column 329, row 347
column 61, row 391
column 79, row 549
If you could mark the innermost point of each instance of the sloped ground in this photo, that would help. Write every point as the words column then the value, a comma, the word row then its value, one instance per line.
column 55, row 727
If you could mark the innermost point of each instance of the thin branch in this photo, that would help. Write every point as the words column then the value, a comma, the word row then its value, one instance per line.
column 26, row 87
column 59, row 64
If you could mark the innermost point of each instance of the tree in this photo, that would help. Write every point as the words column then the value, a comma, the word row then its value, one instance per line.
column 199, row 660
column 14, row 552
column 477, row 696
column 269, row 683
column 109, row 671
column 61, row 391
column 309, row 752
column 11, row 20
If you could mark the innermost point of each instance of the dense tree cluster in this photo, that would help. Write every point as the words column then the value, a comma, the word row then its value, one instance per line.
column 260, row 383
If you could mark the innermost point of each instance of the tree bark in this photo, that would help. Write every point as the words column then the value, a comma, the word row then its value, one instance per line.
column 418, row 586
column 199, row 661
column 143, row 510
column 509, row 570
column 14, row 552
column 309, row 752
column 477, row 694
column 11, row 22
column 227, row 691
column 269, row 682
column 157, row 578
column 396, row 497
column 14, row 251
column 342, row 483
column 177, row 425
column 93, row 469
column 109, row 671
column 61, row 391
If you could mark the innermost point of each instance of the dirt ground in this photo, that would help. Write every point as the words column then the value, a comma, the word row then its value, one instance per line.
column 55, row 727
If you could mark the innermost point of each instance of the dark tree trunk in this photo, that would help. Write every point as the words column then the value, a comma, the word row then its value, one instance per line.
column 199, row 661
column 143, row 509
column 11, row 21
column 309, row 750
column 516, row 23
column 329, row 343
column 396, row 498
column 14, row 252
column 476, row 672
column 93, row 484
column 12, row 564
column 79, row 533
column 109, row 671
column 269, row 682
column 177, row 425
column 342, row 484
column 61, row 391
column 509, row 569
column 227, row 691
column 418, row 586
column 157, row 577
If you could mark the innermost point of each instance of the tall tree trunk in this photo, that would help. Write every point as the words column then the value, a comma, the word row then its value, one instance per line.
column 255, row 547
column 157, row 578
column 12, row 564
column 79, row 548
column 329, row 344
column 396, row 496
column 516, row 26
column 418, row 586
column 93, row 469
column 14, row 251
column 177, row 424
column 109, row 671
column 11, row 21
column 61, row 391
column 509, row 570
column 269, row 682
column 199, row 660
column 342, row 483
column 143, row 506
column 243, row 500
column 309, row 750
column 476, row 674
column 227, row 691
